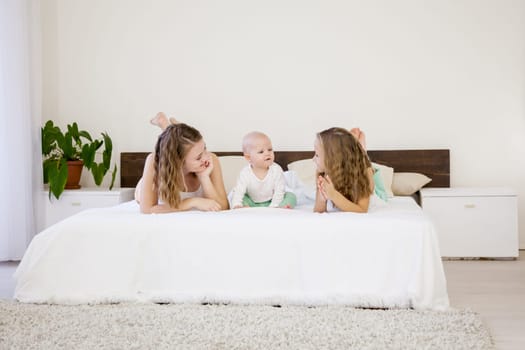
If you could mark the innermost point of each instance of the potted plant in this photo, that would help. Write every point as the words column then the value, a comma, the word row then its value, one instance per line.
column 62, row 152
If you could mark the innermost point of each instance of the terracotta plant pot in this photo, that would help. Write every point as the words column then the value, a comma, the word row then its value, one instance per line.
column 74, row 170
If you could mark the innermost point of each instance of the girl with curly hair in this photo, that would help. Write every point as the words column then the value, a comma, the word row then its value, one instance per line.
column 181, row 174
column 344, row 172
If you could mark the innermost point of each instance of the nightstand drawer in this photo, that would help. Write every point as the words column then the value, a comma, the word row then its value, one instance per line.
column 470, row 225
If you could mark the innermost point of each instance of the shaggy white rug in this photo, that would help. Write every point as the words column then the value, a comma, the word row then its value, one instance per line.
column 184, row 326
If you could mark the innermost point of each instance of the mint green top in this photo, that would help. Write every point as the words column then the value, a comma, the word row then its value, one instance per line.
column 379, row 186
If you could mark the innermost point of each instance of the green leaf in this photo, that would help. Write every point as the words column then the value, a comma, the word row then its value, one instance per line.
column 72, row 129
column 97, row 143
column 57, row 178
column 49, row 167
column 98, row 173
column 67, row 146
column 88, row 155
column 108, row 149
column 49, row 124
column 86, row 135
column 51, row 135
column 113, row 176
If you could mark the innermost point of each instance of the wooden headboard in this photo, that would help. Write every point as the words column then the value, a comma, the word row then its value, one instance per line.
column 434, row 163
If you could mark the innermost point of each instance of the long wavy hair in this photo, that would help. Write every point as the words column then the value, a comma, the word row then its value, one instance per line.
column 346, row 163
column 171, row 149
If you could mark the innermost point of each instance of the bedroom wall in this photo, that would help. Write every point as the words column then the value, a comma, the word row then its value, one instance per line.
column 413, row 74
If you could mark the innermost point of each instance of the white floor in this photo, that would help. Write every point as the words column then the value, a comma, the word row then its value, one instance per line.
column 495, row 289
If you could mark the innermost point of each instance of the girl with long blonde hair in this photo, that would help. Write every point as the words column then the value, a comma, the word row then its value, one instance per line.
column 344, row 172
column 181, row 174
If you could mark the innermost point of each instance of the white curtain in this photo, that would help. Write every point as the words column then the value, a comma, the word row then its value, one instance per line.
column 18, row 132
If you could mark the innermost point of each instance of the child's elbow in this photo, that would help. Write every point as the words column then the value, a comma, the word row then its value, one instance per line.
column 146, row 209
column 363, row 209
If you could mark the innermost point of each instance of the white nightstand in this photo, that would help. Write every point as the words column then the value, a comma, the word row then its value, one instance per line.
column 74, row 201
column 474, row 222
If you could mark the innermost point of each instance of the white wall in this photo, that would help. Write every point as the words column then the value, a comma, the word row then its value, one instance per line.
column 412, row 73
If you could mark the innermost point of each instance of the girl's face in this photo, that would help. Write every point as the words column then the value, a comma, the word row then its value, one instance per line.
column 319, row 156
column 197, row 158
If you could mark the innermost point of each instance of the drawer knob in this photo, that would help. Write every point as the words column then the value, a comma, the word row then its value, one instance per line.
column 76, row 204
column 470, row 206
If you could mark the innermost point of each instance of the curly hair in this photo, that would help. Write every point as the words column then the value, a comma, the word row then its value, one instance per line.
column 171, row 149
column 346, row 163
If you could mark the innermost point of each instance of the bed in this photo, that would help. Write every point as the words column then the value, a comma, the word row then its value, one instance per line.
column 387, row 258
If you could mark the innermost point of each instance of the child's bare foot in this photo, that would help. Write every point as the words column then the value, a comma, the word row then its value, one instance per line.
column 160, row 120
column 174, row 121
column 360, row 136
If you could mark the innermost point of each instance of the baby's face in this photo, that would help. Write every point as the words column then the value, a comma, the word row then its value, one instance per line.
column 261, row 152
column 319, row 156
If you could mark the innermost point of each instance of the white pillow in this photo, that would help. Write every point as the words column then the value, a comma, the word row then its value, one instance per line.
column 387, row 175
column 406, row 184
column 231, row 167
column 305, row 170
column 305, row 196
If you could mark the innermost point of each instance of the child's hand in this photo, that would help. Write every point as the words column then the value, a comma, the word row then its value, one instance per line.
column 287, row 206
column 320, row 188
column 208, row 168
column 326, row 187
column 206, row 204
column 238, row 206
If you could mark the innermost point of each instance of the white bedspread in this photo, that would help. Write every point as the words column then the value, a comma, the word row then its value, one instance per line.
column 386, row 258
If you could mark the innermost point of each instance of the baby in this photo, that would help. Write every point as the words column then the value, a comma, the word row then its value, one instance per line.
column 261, row 183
